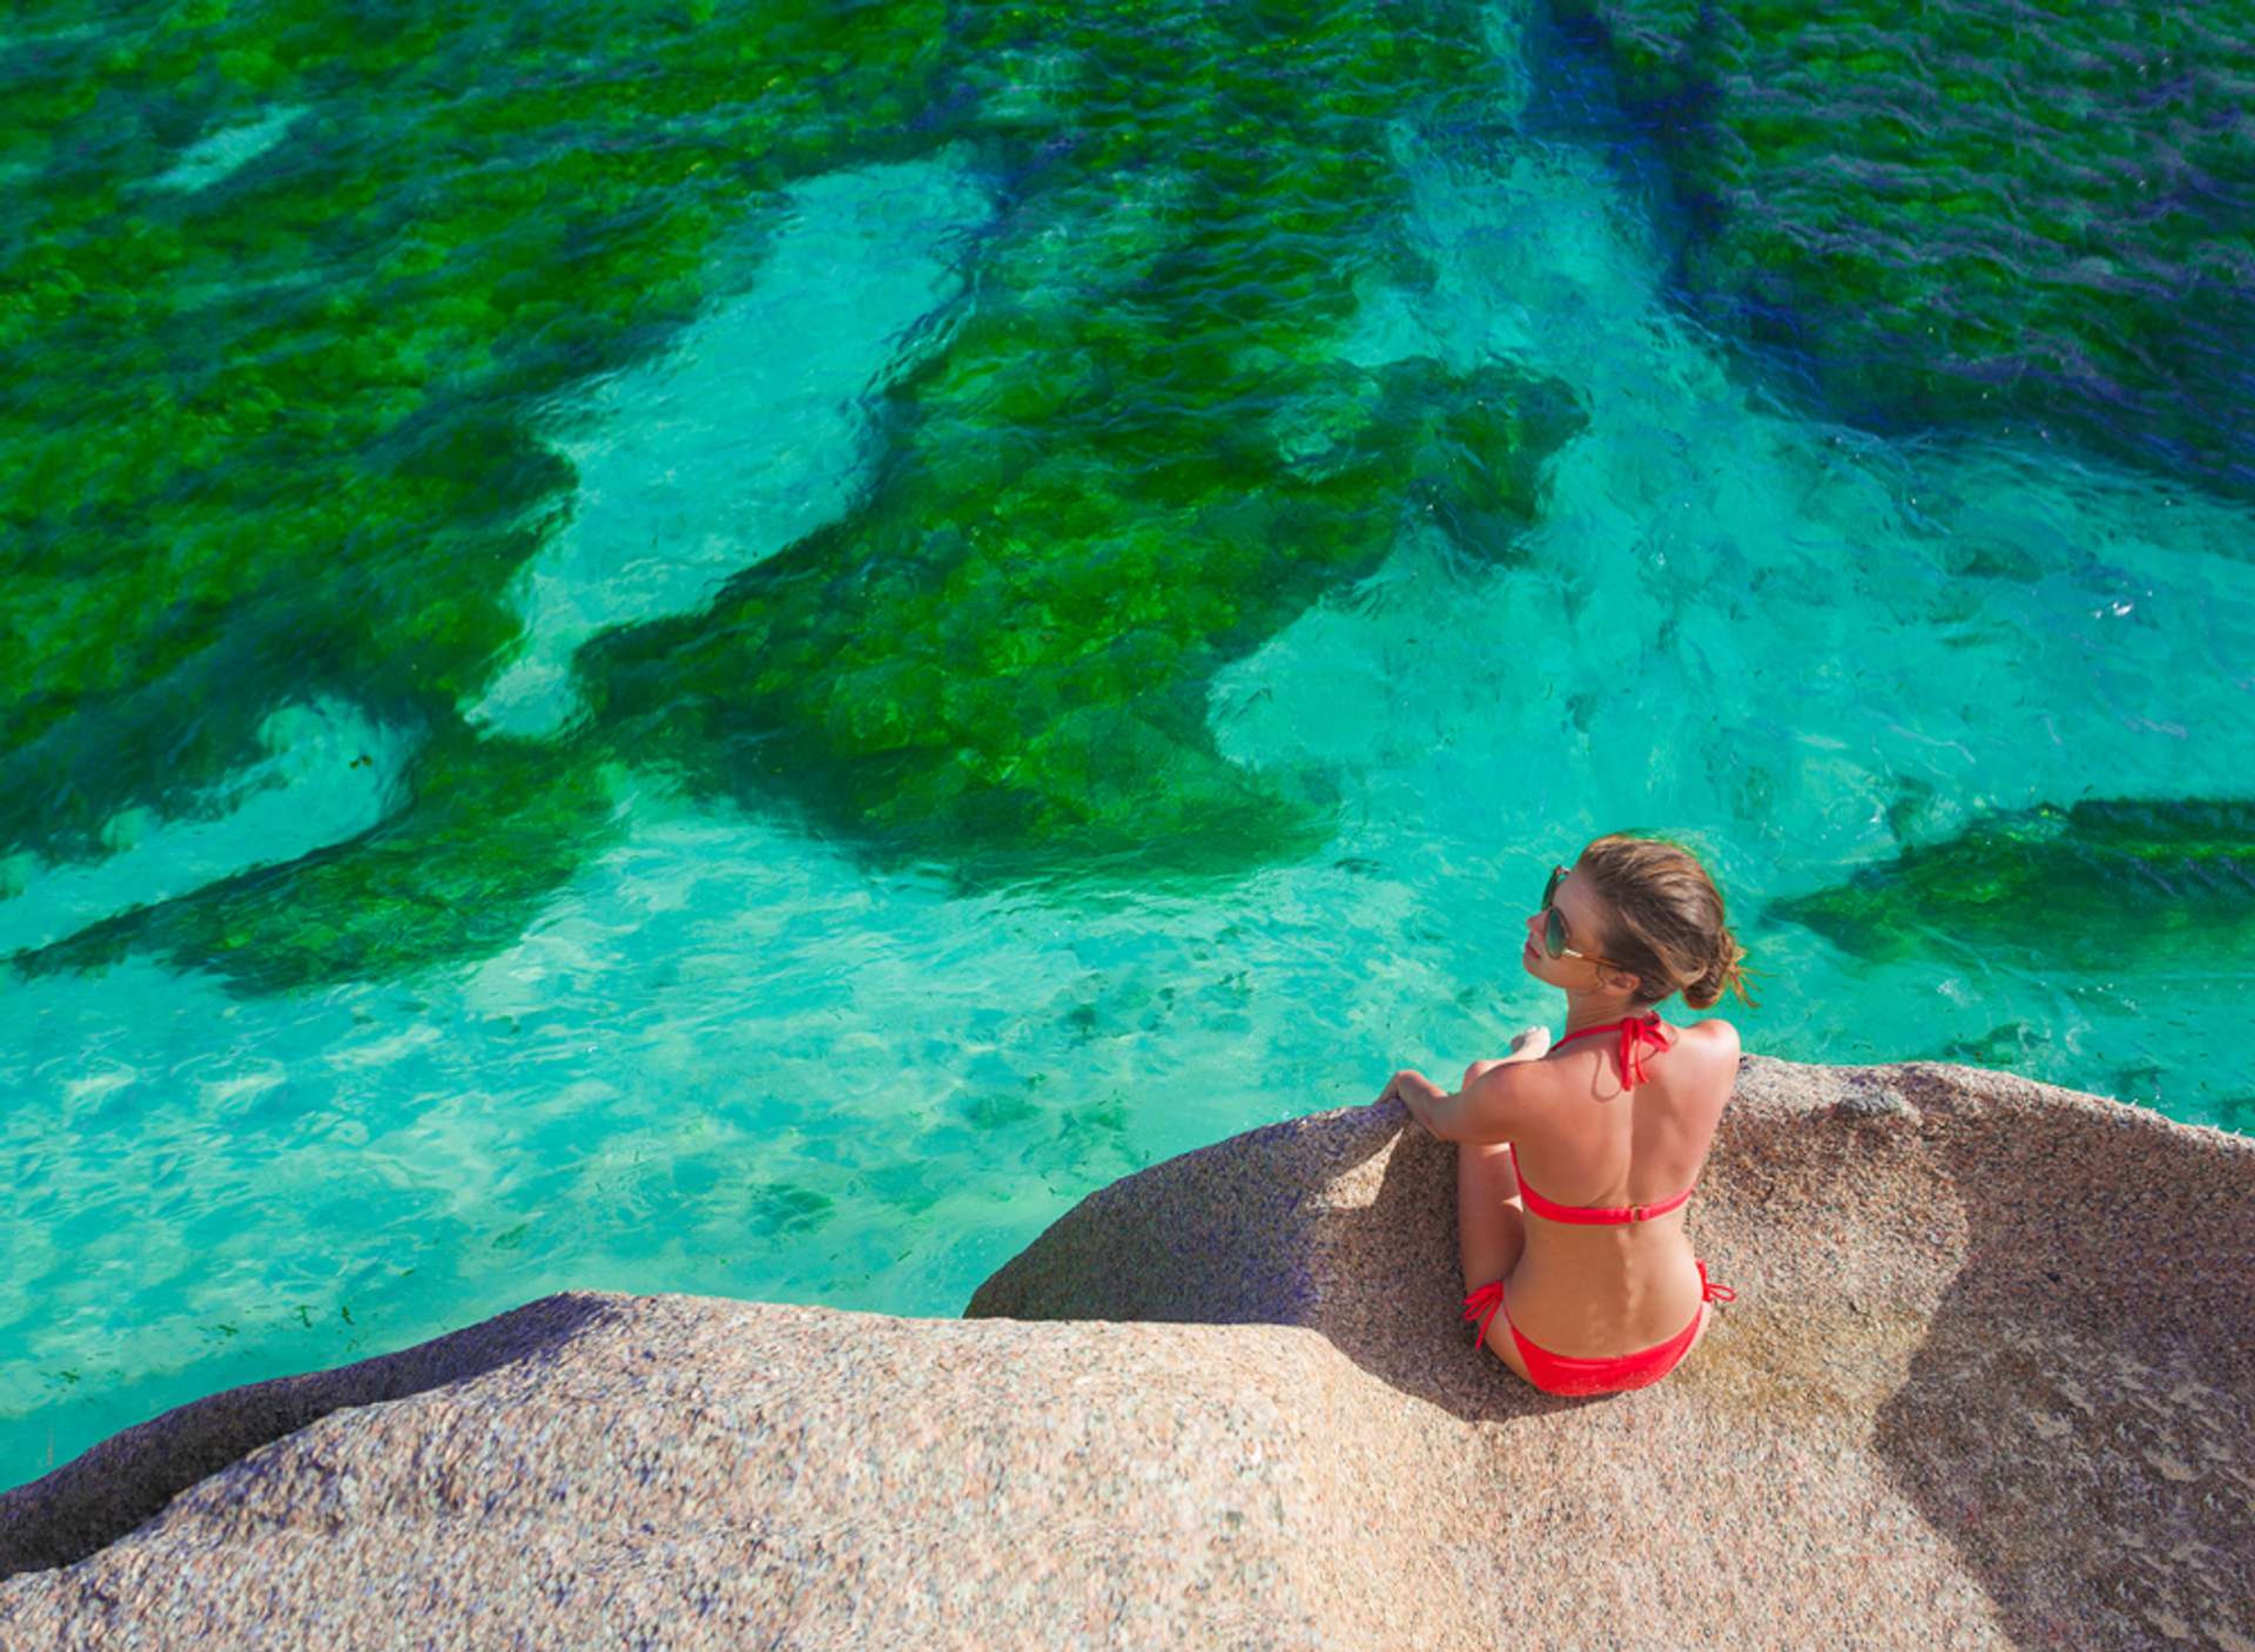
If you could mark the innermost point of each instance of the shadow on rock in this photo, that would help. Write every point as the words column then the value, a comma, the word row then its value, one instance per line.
column 1342, row 1223
column 2076, row 1422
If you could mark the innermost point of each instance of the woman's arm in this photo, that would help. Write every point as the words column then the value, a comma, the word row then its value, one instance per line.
column 1475, row 1113
column 1438, row 1109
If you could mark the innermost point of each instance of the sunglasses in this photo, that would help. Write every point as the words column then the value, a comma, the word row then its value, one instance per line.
column 1553, row 929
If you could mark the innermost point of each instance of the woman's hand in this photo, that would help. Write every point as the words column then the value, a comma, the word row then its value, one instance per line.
column 1415, row 1091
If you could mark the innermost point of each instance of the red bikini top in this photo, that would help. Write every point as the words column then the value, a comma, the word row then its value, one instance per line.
column 1634, row 1031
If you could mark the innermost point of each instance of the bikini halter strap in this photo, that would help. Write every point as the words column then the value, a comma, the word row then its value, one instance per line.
column 1635, row 1030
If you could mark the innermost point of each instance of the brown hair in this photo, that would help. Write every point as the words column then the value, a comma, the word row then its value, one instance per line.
column 1667, row 922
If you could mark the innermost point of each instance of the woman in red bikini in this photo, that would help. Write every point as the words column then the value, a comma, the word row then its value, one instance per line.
column 1593, row 1279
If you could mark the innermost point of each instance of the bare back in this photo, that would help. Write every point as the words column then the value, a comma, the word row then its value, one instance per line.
column 1599, row 1290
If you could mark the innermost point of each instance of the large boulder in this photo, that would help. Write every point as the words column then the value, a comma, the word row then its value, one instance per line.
column 1988, row 1382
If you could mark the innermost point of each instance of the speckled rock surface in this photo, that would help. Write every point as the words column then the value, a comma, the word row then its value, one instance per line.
column 1988, row 1382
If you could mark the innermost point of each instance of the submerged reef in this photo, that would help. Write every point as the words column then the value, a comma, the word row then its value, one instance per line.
column 289, row 291
column 2108, row 883
column 270, row 436
column 286, row 288
column 490, row 829
column 1140, row 457
column 1972, row 212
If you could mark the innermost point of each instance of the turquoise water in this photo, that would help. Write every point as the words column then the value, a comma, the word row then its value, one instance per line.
column 730, row 1054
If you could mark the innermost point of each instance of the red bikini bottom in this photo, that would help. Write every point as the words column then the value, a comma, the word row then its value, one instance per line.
column 1565, row 1374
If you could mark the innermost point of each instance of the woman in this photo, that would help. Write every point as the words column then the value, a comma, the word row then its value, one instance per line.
column 1611, row 1124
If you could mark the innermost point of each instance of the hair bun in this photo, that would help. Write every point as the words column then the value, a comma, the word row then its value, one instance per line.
column 1727, row 971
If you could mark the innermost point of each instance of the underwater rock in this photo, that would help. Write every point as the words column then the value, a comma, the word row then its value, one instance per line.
column 1977, row 212
column 2107, row 883
column 1987, row 1331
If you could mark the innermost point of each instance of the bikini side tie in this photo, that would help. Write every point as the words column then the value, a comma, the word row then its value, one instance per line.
column 1481, row 1304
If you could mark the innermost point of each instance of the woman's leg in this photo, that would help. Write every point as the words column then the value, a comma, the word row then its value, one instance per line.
column 1491, row 1216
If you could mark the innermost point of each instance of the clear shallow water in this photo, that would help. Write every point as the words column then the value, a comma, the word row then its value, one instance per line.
column 729, row 1055
column 751, row 432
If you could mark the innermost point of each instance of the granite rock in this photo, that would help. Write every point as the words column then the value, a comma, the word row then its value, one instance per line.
column 1988, row 1382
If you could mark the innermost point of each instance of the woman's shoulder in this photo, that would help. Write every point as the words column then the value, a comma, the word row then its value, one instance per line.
column 1714, row 1038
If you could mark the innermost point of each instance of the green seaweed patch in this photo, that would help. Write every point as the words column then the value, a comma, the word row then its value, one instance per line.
column 493, row 828
column 276, row 429
column 2108, row 884
column 1124, row 472
column 272, row 435
column 1013, row 682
